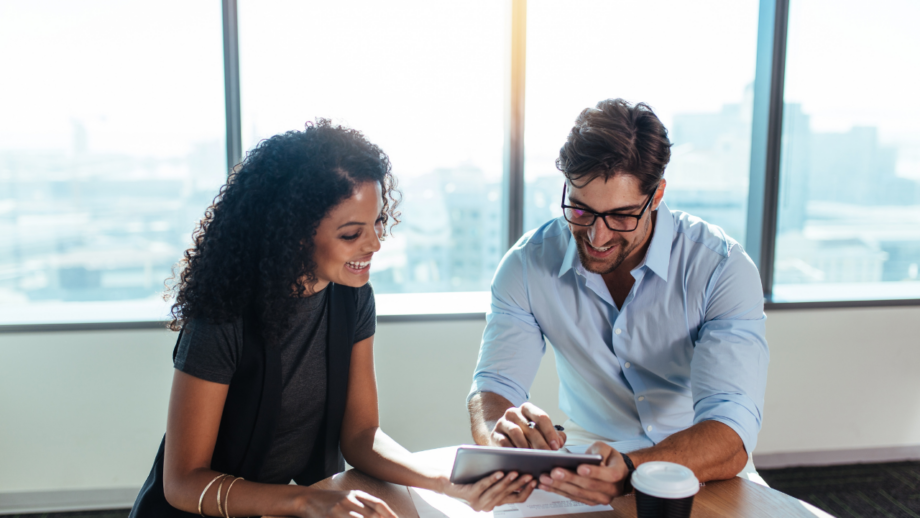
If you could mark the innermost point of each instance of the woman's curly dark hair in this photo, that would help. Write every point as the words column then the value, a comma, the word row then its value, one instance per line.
column 253, row 251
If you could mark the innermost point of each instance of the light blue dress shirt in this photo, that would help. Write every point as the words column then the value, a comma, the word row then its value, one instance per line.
column 687, row 346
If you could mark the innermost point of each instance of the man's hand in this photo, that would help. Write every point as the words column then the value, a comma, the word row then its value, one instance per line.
column 513, row 429
column 495, row 421
column 592, row 485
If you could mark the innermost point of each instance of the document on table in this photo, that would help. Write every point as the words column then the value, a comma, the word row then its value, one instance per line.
column 541, row 503
column 620, row 446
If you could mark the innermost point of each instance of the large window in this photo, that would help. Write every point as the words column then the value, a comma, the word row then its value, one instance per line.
column 114, row 133
column 112, row 143
column 692, row 62
column 849, row 204
column 424, row 81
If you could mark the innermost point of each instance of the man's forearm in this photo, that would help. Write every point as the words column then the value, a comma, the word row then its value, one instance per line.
column 711, row 449
column 486, row 408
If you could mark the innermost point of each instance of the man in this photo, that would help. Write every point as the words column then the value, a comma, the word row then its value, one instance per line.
column 656, row 318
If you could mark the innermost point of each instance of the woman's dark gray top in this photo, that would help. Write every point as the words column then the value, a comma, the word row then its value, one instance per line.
column 211, row 351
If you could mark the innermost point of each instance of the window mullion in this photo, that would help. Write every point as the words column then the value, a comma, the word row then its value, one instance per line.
column 766, row 137
column 232, row 83
column 513, row 178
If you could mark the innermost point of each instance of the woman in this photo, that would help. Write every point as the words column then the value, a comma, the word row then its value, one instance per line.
column 274, row 364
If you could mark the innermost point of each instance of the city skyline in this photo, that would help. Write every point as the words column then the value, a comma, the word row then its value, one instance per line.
column 85, row 226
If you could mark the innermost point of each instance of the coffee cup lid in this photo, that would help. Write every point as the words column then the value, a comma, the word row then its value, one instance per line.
column 665, row 480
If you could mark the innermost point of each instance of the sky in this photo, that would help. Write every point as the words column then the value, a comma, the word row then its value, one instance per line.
column 851, row 62
column 423, row 80
column 142, row 78
column 427, row 80
column 676, row 56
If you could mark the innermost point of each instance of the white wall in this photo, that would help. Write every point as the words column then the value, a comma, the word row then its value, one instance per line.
column 81, row 410
column 86, row 410
column 842, row 379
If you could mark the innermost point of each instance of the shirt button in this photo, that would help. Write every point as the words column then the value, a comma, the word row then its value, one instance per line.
column 618, row 330
column 627, row 365
column 641, row 398
column 649, row 428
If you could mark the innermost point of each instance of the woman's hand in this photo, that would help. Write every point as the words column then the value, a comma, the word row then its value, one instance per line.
column 492, row 491
column 318, row 503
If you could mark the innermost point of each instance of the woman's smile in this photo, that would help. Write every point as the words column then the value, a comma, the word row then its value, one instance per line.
column 360, row 266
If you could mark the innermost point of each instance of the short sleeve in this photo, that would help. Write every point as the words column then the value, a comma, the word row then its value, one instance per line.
column 366, row 323
column 210, row 351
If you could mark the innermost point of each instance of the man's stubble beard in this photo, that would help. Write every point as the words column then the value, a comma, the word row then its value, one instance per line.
column 593, row 265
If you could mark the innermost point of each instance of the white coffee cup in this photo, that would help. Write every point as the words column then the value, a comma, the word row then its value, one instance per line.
column 664, row 489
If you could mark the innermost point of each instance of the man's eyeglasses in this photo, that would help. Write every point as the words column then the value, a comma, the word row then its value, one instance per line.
column 617, row 222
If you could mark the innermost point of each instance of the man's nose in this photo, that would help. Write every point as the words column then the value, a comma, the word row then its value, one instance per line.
column 598, row 233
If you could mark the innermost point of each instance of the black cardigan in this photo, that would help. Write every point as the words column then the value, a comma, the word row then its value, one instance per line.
column 247, row 425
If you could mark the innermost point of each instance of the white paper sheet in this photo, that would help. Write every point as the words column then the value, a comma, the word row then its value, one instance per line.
column 541, row 503
column 620, row 446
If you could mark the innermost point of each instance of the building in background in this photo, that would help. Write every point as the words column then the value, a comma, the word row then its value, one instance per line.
column 84, row 226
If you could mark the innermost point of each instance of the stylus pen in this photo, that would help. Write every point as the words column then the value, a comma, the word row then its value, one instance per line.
column 558, row 427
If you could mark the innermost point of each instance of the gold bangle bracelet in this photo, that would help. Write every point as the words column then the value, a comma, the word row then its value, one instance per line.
column 220, row 511
column 227, row 498
column 201, row 498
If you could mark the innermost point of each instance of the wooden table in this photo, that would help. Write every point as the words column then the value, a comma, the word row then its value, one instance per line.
column 727, row 498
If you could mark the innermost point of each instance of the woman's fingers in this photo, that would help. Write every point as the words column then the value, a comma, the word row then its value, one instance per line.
column 497, row 488
column 347, row 508
column 520, row 483
column 355, row 506
column 358, row 504
column 523, row 486
column 482, row 485
column 509, row 493
column 497, row 493
column 520, row 496
column 378, row 505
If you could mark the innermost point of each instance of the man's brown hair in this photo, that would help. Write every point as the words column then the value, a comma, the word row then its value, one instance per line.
column 616, row 138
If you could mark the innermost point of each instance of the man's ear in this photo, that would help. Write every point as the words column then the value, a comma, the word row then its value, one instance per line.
column 659, row 194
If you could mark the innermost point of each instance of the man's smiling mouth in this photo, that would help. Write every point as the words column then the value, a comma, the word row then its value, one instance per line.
column 604, row 249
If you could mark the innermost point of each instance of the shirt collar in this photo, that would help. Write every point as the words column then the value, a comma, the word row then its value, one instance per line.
column 571, row 259
column 657, row 257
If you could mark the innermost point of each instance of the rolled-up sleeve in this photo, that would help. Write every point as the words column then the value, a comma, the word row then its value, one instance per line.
column 512, row 343
column 730, row 358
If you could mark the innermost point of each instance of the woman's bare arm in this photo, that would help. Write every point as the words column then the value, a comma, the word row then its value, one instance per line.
column 195, row 409
column 367, row 448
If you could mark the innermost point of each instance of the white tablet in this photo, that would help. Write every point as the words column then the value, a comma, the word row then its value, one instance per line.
column 476, row 462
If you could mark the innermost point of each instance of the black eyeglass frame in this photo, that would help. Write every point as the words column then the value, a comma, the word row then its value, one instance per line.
column 603, row 215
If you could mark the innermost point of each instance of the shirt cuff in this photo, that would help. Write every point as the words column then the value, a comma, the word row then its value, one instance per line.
column 497, row 385
column 733, row 414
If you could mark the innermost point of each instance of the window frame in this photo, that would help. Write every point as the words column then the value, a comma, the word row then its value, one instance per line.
column 763, row 194
column 766, row 155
